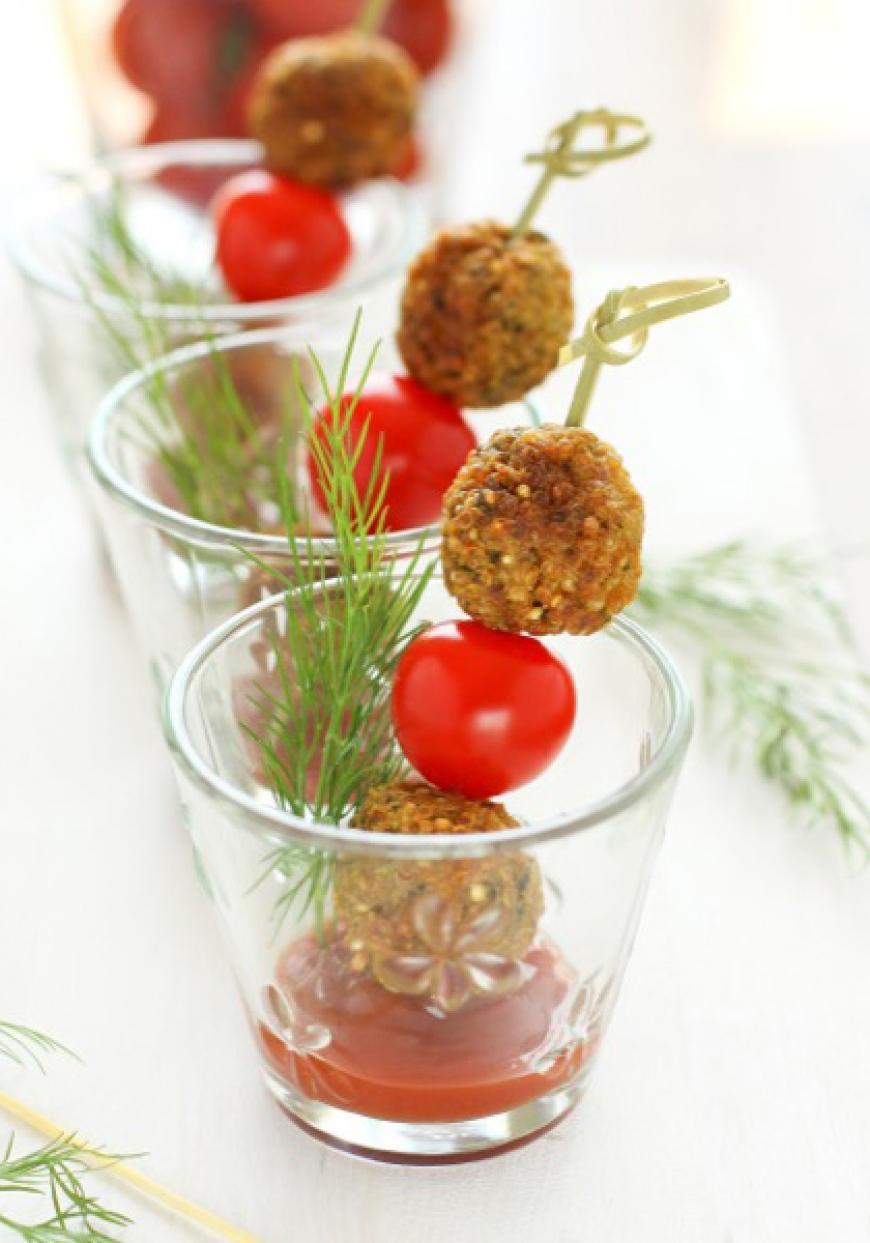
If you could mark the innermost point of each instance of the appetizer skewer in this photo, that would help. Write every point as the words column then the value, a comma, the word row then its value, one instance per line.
column 543, row 527
column 486, row 306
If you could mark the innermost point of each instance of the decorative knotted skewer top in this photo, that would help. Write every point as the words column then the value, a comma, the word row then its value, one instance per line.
column 560, row 157
column 627, row 315
column 487, row 306
column 543, row 526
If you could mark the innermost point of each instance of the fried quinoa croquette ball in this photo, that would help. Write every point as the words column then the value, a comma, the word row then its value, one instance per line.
column 542, row 532
column 484, row 314
column 334, row 110
column 386, row 904
column 412, row 807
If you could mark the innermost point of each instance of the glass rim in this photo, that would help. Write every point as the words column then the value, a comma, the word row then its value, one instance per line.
column 173, row 521
column 202, row 152
column 261, row 818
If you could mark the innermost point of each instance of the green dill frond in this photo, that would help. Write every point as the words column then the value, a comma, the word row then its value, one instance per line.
column 25, row 1046
column 326, row 736
column 114, row 265
column 50, row 1179
column 224, row 467
column 781, row 687
column 54, row 1176
column 757, row 590
column 221, row 464
column 798, row 724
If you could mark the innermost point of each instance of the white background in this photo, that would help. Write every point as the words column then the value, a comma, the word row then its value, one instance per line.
column 732, row 1102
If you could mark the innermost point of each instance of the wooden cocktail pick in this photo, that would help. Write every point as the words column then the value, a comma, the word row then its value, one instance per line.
column 627, row 315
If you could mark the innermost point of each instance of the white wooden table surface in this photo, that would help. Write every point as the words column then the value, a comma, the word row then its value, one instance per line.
column 732, row 1101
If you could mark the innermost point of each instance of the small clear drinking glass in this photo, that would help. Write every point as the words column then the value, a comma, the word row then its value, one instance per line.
column 449, row 998
column 89, row 337
column 181, row 576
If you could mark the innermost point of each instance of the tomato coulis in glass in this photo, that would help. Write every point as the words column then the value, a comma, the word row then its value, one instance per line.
column 392, row 1056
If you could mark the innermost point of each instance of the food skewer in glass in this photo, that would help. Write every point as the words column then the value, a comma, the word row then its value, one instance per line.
column 543, row 526
column 487, row 306
column 429, row 972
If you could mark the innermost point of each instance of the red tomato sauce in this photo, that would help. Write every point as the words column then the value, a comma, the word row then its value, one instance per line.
column 397, row 1057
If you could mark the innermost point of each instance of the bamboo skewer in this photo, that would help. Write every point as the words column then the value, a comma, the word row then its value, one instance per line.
column 146, row 1186
column 630, row 313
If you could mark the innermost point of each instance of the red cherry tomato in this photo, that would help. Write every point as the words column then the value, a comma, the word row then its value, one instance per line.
column 422, row 27
column 183, row 51
column 479, row 712
column 277, row 238
column 423, row 441
column 289, row 18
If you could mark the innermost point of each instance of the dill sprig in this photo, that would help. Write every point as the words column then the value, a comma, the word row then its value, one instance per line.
column 780, row 682
column 741, row 585
column 115, row 265
column 327, row 735
column 52, row 1174
column 221, row 463
column 224, row 467
column 24, row 1045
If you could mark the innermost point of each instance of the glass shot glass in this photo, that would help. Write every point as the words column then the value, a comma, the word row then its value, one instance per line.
column 89, row 335
column 445, row 997
column 181, row 576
